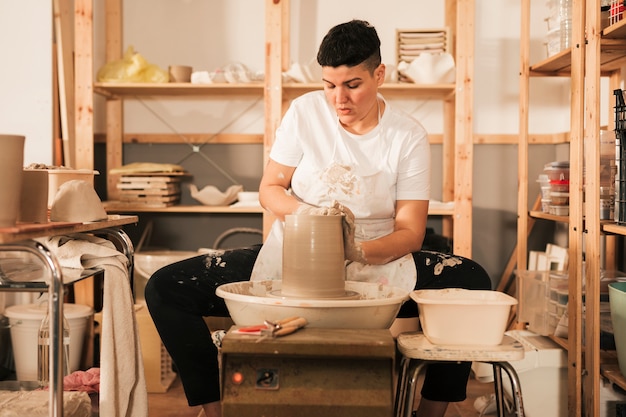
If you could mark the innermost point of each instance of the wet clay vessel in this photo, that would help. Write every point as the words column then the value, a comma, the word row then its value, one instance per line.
column 313, row 257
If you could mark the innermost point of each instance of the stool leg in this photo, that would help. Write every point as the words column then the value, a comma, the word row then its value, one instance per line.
column 401, row 387
column 515, row 385
column 414, row 368
column 499, row 390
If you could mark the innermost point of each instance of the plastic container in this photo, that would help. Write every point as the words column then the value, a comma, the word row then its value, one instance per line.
column 557, row 171
column 562, row 295
column 543, row 179
column 25, row 320
column 537, row 290
column 553, row 41
column 559, row 186
column 617, row 302
column 559, row 210
column 559, row 198
column 542, row 374
column 552, row 306
column 457, row 316
column 607, row 277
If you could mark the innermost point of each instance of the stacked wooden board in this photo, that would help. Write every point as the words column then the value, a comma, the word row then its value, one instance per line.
column 410, row 43
column 150, row 189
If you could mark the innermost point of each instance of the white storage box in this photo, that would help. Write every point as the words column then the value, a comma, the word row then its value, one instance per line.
column 456, row 316
column 542, row 374
column 543, row 299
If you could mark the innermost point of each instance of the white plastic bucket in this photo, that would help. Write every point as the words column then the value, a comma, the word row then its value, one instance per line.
column 25, row 320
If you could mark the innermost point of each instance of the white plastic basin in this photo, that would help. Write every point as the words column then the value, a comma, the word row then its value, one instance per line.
column 251, row 302
column 456, row 316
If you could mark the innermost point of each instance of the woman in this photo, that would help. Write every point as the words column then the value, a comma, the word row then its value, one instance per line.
column 344, row 147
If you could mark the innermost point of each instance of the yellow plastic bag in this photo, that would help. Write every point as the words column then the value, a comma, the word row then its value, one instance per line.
column 132, row 68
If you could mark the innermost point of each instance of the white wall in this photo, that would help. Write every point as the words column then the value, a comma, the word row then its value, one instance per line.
column 26, row 75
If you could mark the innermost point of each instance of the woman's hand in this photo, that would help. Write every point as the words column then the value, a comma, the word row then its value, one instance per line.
column 352, row 249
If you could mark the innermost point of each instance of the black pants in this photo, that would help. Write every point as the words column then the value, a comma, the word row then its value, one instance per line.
column 181, row 294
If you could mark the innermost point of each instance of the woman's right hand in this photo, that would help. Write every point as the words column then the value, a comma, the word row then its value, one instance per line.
column 352, row 248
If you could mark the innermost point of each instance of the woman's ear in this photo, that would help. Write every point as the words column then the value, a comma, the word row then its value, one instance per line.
column 379, row 73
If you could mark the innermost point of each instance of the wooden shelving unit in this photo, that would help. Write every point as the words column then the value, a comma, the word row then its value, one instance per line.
column 456, row 139
column 117, row 90
column 594, row 54
column 119, row 207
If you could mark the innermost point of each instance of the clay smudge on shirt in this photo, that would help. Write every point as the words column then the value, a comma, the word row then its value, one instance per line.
column 383, row 280
column 340, row 178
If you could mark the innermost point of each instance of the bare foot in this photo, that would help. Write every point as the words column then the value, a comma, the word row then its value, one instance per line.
column 213, row 409
column 429, row 408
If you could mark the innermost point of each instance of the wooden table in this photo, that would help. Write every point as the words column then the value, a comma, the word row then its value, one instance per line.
column 20, row 238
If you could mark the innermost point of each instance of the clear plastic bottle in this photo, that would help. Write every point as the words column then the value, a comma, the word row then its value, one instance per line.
column 565, row 19
column 43, row 350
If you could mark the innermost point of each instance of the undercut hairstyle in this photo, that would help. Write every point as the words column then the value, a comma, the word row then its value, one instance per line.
column 351, row 44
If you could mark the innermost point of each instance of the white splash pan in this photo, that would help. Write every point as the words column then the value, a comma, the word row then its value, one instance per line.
column 251, row 302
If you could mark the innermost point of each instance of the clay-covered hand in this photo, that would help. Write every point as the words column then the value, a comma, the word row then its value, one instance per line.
column 352, row 249
column 304, row 208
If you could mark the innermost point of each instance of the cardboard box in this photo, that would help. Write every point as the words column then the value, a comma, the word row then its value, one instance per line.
column 50, row 180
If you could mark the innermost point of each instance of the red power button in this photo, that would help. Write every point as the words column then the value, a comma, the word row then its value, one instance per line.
column 237, row 378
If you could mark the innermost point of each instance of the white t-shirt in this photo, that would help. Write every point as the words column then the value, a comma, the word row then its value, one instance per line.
column 367, row 173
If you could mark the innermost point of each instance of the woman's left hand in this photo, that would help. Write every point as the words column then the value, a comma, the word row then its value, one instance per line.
column 352, row 249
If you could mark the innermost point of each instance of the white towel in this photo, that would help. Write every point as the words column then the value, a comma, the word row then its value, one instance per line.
column 123, row 390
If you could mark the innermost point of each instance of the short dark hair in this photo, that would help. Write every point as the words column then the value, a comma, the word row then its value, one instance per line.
column 351, row 43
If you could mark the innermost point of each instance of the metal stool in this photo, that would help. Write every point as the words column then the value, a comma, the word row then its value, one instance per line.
column 417, row 352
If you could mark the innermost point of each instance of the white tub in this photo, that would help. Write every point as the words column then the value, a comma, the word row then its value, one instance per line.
column 456, row 316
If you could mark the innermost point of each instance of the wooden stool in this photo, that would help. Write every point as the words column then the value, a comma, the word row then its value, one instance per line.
column 417, row 352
